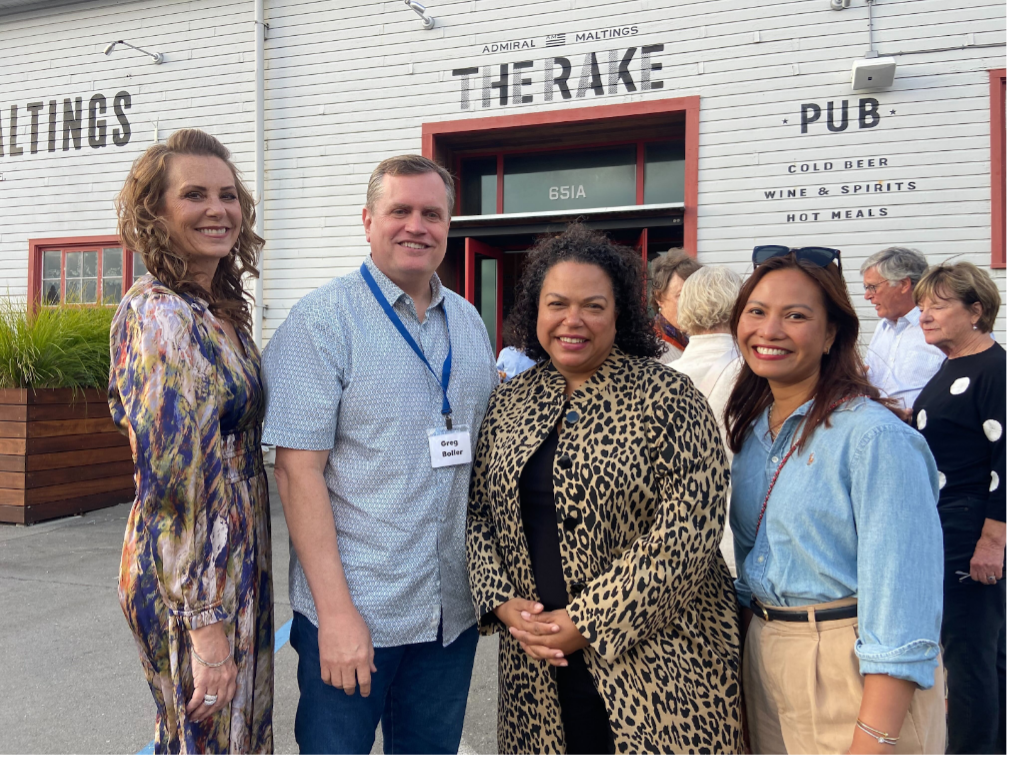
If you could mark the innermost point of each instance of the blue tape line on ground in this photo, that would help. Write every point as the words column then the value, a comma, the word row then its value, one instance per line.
column 280, row 639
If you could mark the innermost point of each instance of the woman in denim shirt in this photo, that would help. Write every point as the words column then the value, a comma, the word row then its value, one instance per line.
column 834, row 497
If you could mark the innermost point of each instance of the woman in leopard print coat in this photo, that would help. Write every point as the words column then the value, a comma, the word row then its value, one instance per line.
column 639, row 481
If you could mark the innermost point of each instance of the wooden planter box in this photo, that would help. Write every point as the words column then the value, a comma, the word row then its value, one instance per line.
column 60, row 454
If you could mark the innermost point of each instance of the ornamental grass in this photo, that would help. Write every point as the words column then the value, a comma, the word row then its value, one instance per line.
column 62, row 347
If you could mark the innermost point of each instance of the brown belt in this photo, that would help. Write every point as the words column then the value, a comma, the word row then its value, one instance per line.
column 801, row 616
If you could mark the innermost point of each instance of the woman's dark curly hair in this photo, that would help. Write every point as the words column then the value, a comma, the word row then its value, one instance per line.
column 634, row 333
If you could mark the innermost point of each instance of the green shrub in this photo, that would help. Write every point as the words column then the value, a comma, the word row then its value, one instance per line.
column 54, row 347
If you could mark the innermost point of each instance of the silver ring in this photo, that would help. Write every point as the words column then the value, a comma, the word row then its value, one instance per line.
column 992, row 579
column 210, row 699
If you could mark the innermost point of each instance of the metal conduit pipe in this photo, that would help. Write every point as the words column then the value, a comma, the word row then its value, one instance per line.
column 260, row 29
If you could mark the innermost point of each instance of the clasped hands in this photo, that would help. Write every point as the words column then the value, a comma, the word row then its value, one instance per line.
column 542, row 635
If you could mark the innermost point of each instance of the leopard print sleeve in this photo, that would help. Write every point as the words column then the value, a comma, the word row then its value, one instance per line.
column 489, row 582
column 650, row 586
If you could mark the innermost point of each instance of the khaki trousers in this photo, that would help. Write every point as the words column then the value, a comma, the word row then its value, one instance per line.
column 802, row 690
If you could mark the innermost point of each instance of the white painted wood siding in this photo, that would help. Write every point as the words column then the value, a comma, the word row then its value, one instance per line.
column 351, row 83
column 206, row 82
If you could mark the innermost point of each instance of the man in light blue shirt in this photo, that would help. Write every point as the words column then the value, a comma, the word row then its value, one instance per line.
column 899, row 360
column 376, row 385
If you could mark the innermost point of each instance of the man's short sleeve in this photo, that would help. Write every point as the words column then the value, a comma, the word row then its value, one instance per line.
column 303, row 374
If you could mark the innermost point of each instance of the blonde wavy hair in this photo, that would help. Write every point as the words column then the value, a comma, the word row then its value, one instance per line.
column 143, row 228
column 707, row 300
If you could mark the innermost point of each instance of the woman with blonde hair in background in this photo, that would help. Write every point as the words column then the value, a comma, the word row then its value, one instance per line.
column 195, row 581
column 962, row 413
column 711, row 359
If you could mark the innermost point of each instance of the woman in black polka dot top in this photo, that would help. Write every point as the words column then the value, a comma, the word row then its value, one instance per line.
column 961, row 413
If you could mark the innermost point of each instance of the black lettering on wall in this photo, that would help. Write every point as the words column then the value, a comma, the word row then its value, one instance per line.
column 809, row 113
column 34, row 109
column 589, row 78
column 52, row 126
column 869, row 117
column 561, row 81
column 73, row 112
column 96, row 126
column 466, row 73
column 618, row 71
column 121, row 102
column 502, row 85
column 844, row 119
column 518, row 82
column 647, row 67
column 13, row 133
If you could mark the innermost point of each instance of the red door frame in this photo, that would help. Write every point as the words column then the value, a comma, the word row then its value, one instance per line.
column 998, row 168
column 431, row 132
column 471, row 249
column 37, row 246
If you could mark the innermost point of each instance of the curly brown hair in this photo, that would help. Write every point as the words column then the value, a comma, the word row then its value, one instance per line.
column 143, row 228
column 634, row 328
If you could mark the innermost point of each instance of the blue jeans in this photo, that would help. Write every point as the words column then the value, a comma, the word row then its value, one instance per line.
column 419, row 693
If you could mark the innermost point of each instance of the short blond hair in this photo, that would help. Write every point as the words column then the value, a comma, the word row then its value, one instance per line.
column 408, row 165
column 707, row 299
column 963, row 282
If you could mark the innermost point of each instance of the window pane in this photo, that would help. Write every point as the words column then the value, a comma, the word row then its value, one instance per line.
column 73, row 265
column 51, row 291
column 73, row 291
column 569, row 180
column 90, row 264
column 112, row 291
column 91, row 291
column 139, row 269
column 665, row 172
column 486, row 295
column 51, row 264
column 112, row 261
column 479, row 186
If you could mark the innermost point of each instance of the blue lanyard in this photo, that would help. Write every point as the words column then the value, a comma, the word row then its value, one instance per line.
column 447, row 366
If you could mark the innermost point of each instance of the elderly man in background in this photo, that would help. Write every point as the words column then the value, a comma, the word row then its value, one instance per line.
column 899, row 360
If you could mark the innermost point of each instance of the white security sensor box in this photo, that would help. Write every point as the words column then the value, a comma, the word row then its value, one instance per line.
column 873, row 73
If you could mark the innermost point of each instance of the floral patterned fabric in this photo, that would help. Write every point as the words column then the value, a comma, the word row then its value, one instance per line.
column 197, row 544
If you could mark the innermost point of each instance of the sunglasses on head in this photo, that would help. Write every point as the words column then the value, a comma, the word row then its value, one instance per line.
column 820, row 256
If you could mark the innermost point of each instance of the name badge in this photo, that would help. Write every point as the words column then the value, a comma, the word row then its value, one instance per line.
column 449, row 447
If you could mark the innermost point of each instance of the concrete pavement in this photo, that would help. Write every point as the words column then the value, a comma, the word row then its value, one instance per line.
column 70, row 679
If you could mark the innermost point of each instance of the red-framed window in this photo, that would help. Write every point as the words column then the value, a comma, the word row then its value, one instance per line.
column 998, row 168
column 640, row 123
column 637, row 172
column 93, row 270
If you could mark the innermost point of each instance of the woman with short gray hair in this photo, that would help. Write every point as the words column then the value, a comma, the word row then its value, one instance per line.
column 668, row 275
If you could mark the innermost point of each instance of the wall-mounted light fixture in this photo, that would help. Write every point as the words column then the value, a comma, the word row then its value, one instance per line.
column 156, row 57
column 427, row 21
column 873, row 71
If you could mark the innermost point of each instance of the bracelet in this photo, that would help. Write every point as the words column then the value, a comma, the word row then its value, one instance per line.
column 880, row 736
column 206, row 664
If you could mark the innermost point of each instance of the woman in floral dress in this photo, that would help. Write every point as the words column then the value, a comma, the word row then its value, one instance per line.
column 195, row 580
